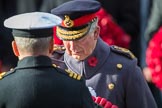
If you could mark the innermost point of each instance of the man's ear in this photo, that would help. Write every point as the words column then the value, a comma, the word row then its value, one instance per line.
column 97, row 32
column 51, row 46
column 14, row 48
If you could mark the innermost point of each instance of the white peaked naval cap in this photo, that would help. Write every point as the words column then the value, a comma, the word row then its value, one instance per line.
column 33, row 24
column 32, row 20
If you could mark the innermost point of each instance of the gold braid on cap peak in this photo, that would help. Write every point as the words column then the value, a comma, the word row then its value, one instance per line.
column 72, row 34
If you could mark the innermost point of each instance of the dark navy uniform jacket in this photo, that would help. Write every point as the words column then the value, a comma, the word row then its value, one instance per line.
column 116, row 76
column 35, row 83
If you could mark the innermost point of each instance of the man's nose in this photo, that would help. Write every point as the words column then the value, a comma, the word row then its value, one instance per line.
column 73, row 45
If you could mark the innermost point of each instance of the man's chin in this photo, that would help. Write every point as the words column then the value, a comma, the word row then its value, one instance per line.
column 79, row 58
column 76, row 57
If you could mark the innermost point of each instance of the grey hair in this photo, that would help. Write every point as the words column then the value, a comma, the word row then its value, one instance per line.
column 33, row 45
column 93, row 25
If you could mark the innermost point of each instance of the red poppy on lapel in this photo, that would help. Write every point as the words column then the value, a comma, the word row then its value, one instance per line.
column 92, row 61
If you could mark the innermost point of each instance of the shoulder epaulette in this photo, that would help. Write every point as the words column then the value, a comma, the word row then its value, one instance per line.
column 54, row 65
column 58, row 52
column 4, row 74
column 58, row 48
column 69, row 73
column 73, row 74
column 123, row 51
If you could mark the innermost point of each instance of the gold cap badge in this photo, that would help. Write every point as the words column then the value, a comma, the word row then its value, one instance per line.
column 68, row 22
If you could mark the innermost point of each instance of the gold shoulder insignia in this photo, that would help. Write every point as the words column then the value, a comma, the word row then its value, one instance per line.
column 2, row 74
column 69, row 72
column 124, row 50
column 54, row 65
column 73, row 74
column 58, row 47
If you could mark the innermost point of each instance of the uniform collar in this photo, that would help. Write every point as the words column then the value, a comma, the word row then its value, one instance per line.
column 34, row 61
column 101, row 53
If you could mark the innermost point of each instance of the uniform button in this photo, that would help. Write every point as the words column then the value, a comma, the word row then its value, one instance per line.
column 111, row 86
column 119, row 66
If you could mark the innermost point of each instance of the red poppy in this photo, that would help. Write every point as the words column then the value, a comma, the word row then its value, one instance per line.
column 92, row 61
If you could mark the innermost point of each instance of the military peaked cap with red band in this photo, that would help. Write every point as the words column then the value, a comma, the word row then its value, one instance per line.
column 77, row 16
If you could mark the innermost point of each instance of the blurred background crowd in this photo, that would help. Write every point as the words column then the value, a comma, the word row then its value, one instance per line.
column 132, row 24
